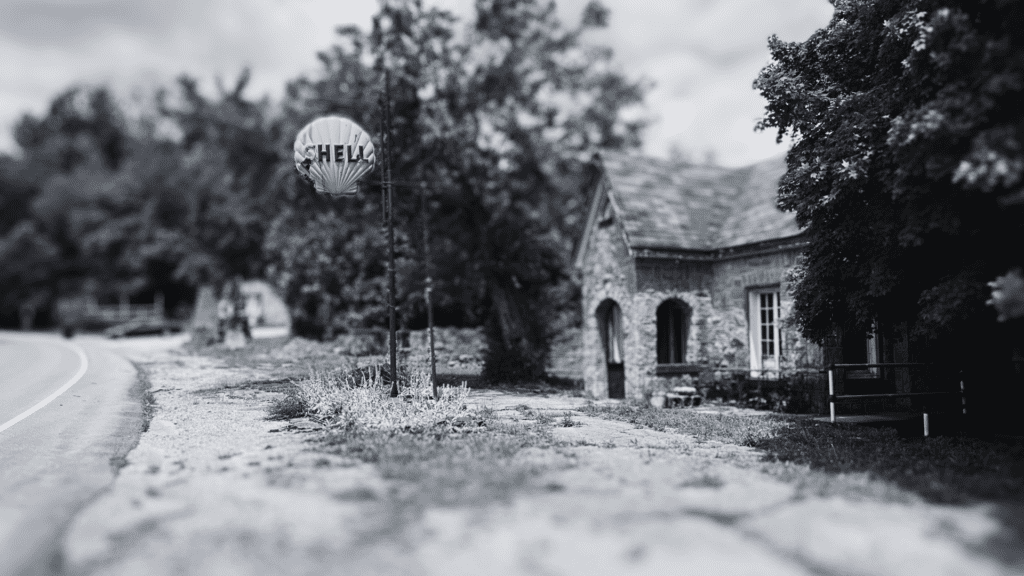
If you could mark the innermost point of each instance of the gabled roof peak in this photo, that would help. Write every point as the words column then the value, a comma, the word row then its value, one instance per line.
column 670, row 206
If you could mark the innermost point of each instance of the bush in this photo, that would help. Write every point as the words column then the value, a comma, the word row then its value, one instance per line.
column 359, row 400
column 791, row 392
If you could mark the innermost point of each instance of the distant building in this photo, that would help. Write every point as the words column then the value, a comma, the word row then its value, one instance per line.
column 684, row 269
column 263, row 305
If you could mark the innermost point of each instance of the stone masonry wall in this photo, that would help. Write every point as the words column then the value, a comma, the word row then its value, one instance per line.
column 644, row 355
column 735, row 277
column 716, row 294
column 718, row 333
column 607, row 274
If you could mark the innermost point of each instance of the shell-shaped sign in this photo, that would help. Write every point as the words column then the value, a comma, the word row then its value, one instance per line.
column 334, row 152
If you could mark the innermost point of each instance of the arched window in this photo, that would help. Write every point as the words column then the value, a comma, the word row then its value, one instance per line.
column 673, row 328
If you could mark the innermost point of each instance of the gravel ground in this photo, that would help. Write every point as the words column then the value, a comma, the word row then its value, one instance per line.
column 215, row 488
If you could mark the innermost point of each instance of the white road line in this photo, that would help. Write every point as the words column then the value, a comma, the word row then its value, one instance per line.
column 78, row 376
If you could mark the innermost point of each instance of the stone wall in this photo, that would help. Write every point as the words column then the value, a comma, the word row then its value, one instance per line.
column 734, row 277
column 642, row 357
column 664, row 274
column 733, row 280
column 453, row 347
column 608, row 273
column 566, row 355
column 718, row 334
column 716, row 294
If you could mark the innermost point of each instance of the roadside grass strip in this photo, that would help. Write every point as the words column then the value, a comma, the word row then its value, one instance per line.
column 942, row 469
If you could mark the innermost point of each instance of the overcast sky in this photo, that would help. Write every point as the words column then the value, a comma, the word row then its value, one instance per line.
column 701, row 55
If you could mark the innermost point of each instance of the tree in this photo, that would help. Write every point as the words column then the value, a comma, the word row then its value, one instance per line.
column 132, row 210
column 83, row 131
column 17, row 189
column 907, row 166
column 494, row 120
column 241, row 142
column 331, row 271
column 532, row 101
column 83, row 126
column 29, row 262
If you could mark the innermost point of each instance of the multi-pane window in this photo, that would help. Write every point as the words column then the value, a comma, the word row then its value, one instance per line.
column 767, row 309
column 765, row 335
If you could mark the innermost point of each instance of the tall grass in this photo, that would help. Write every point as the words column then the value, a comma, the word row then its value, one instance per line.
column 360, row 400
column 444, row 451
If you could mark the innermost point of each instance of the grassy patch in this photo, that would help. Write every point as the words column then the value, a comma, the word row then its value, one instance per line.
column 462, row 465
column 940, row 469
column 144, row 389
column 287, row 407
column 359, row 400
column 439, row 452
column 743, row 429
column 280, row 358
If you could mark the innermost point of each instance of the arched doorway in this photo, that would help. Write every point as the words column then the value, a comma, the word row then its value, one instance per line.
column 609, row 324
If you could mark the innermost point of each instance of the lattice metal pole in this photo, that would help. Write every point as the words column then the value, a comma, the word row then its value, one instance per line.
column 389, row 219
column 428, row 287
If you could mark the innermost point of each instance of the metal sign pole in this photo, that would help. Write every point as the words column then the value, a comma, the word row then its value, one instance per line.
column 428, row 287
column 389, row 218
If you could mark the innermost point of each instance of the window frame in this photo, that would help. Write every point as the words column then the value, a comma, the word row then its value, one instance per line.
column 677, row 332
column 755, row 329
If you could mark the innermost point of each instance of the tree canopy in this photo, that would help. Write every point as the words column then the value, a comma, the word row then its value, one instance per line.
column 114, row 208
column 493, row 120
column 907, row 165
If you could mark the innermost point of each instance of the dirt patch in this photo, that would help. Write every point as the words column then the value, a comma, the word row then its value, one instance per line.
column 551, row 486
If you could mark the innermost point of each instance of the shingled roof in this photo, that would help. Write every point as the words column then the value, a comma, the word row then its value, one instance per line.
column 666, row 206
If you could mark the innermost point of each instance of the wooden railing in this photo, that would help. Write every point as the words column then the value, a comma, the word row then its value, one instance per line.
column 834, row 399
column 125, row 311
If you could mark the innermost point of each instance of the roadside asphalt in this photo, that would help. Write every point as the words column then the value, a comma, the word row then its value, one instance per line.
column 55, row 460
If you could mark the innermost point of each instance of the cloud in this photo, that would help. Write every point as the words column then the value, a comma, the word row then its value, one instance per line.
column 702, row 55
column 47, row 46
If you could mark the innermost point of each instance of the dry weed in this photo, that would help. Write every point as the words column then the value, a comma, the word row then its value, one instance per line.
column 359, row 400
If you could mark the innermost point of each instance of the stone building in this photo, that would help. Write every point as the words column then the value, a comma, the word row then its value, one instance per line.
column 683, row 269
